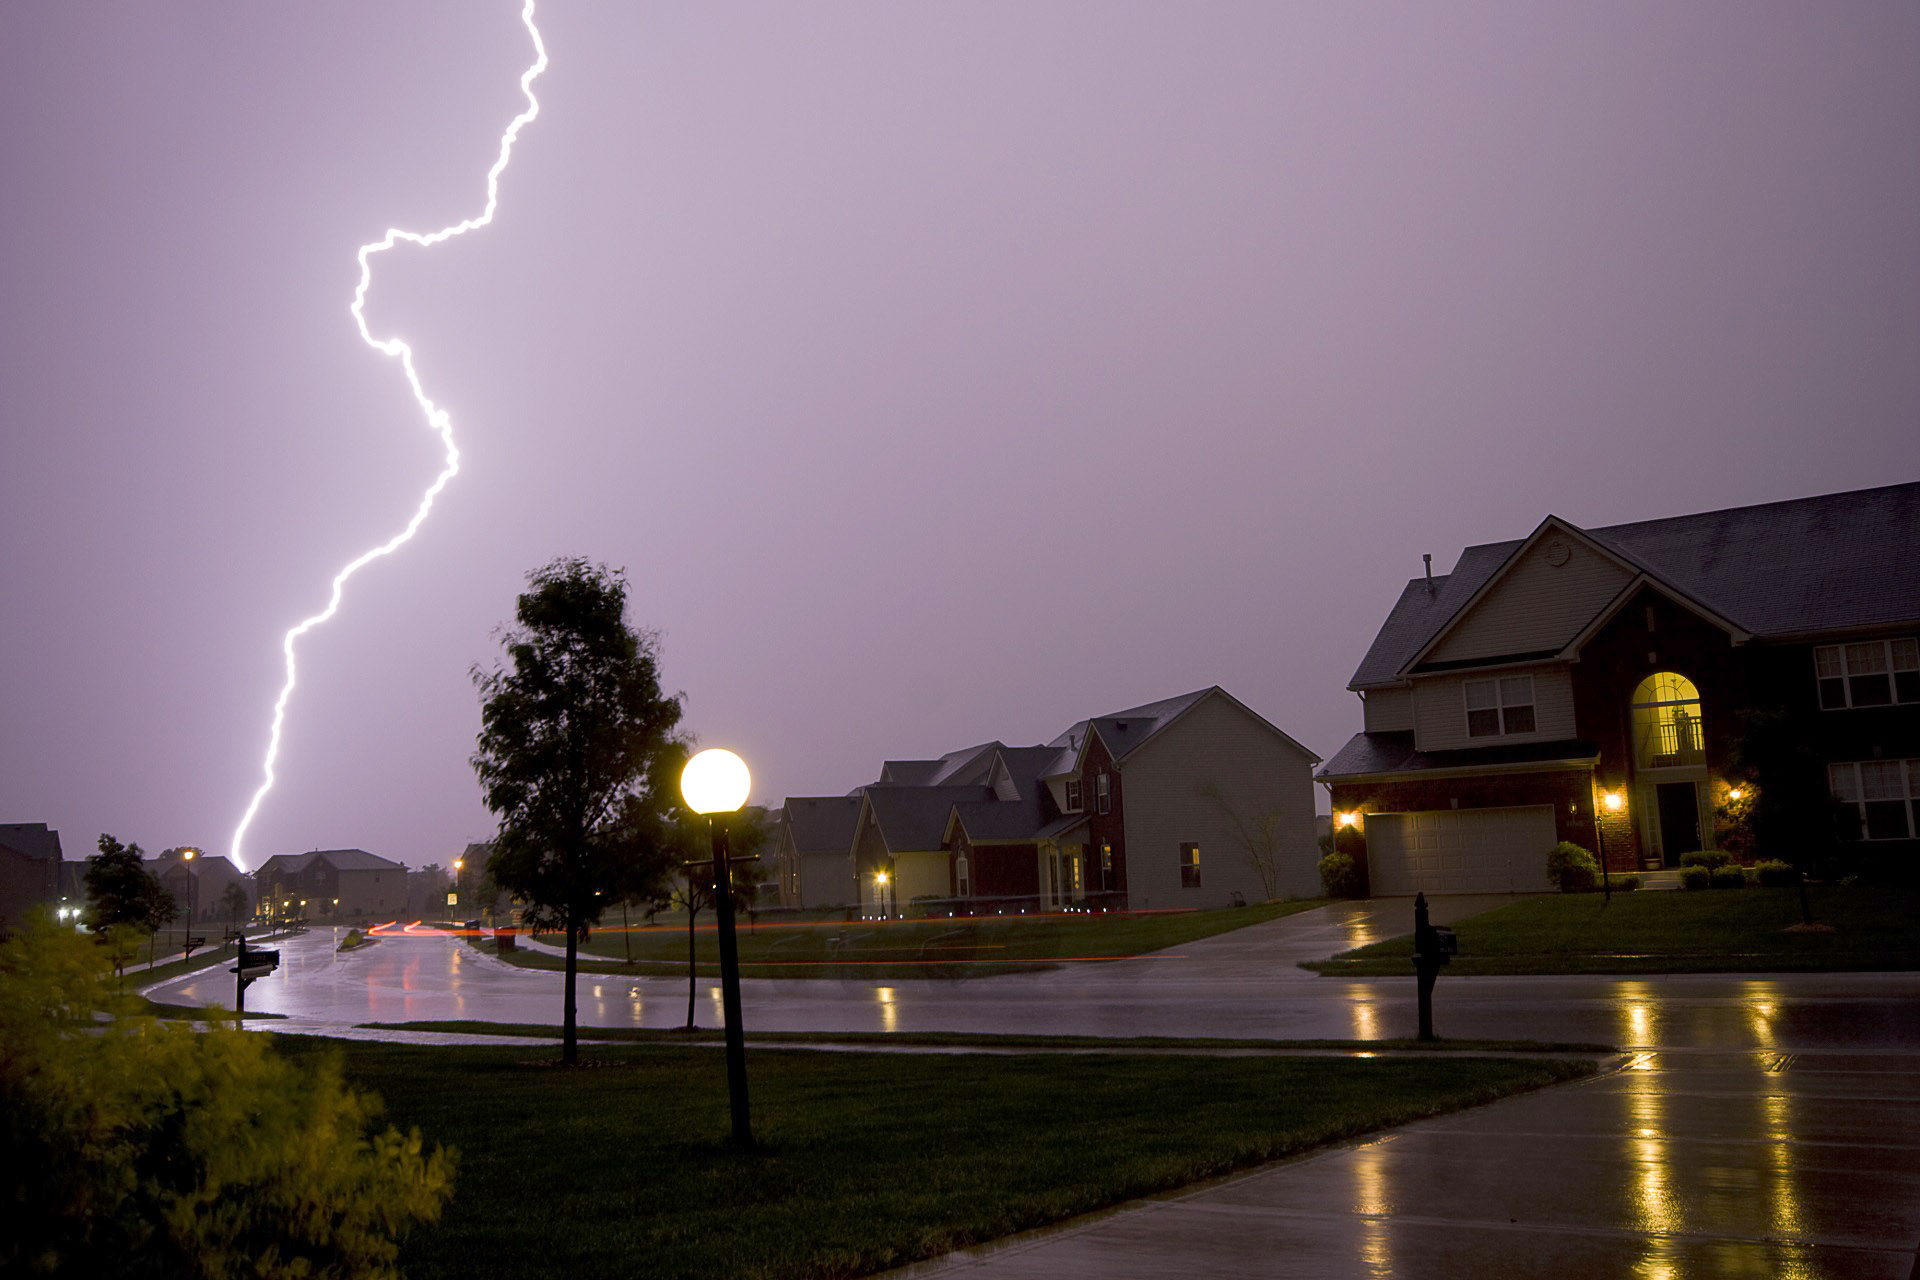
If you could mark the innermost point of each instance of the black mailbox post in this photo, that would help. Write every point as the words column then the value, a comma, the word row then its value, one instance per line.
column 1433, row 947
column 247, row 966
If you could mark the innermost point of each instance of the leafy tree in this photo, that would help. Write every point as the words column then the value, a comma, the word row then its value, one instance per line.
column 233, row 903
column 124, row 893
column 142, row 1148
column 1785, row 812
column 575, row 757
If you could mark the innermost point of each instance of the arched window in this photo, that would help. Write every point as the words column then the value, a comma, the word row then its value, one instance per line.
column 1667, row 730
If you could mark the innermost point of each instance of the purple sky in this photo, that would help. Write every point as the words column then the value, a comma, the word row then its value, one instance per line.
column 938, row 372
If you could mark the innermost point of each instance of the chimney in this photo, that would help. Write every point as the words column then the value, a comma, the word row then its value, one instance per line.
column 1429, row 563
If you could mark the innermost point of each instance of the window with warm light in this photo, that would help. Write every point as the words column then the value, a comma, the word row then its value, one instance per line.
column 1498, row 707
column 1667, row 729
column 1106, row 858
column 1189, row 866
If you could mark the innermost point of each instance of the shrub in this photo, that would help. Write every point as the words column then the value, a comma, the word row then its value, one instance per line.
column 1729, row 877
column 1696, row 878
column 352, row 940
column 1708, row 858
column 1340, row 875
column 1777, row 875
column 1627, row 883
column 145, row 1148
column 1572, row 868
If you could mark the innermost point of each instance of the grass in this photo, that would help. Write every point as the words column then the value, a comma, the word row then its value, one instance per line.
column 947, row 948
column 646, row 1035
column 867, row 1161
column 1707, row 931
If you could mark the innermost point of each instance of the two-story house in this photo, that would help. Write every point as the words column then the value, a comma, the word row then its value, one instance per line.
column 1194, row 801
column 1590, row 685
column 335, row 884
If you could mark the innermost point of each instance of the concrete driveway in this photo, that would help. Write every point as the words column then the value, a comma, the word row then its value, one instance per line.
column 1762, row 1125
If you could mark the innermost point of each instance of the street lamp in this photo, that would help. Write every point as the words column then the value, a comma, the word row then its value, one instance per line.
column 1613, row 802
column 880, row 885
column 715, row 783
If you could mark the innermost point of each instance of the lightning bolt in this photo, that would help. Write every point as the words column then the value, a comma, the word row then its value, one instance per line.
column 437, row 418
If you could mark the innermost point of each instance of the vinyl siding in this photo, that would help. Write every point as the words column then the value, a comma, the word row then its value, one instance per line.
column 1389, row 710
column 826, row 880
column 1535, row 607
column 1258, row 773
column 1440, row 709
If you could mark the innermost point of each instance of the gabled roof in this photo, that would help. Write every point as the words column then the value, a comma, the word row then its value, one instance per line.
column 1125, row 732
column 32, row 839
column 1836, row 562
column 340, row 859
column 966, row 767
column 822, row 824
column 914, row 819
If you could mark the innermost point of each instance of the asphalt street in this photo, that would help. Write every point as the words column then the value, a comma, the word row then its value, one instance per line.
column 1757, row 1125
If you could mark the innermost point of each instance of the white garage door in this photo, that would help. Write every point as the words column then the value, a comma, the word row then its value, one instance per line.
column 1460, row 850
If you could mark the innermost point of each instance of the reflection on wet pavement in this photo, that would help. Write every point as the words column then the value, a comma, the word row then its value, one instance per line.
column 1763, row 1126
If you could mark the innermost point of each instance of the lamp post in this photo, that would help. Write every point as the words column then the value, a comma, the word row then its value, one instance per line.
column 1612, row 802
column 715, row 783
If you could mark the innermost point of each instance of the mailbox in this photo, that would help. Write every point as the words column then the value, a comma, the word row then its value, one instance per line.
column 256, row 964
column 1445, row 944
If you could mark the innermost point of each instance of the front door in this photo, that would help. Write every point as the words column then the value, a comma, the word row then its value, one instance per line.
column 1679, row 820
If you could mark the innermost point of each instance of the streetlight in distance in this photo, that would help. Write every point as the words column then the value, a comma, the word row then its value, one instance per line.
column 715, row 783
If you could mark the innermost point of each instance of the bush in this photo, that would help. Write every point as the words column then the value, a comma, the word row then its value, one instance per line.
column 1708, row 858
column 352, row 940
column 1340, row 875
column 1627, row 883
column 1696, row 878
column 1729, row 877
column 1777, row 875
column 144, row 1148
column 1572, row 868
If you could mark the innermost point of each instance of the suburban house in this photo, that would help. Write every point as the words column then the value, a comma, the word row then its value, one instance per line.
column 812, row 865
column 1194, row 801
column 30, row 871
column 340, row 884
column 1589, row 685
column 198, row 882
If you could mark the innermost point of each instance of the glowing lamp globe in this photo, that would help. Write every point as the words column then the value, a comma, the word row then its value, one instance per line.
column 715, row 781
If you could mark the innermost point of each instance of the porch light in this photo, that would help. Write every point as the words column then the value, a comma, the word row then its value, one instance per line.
column 1615, row 801
column 1734, row 793
column 1351, row 818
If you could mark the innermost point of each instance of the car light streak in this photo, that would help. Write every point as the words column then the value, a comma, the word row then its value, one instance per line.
column 437, row 418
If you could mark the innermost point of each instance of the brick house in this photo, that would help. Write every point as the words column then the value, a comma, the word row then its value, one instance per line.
column 1589, row 685
column 1194, row 801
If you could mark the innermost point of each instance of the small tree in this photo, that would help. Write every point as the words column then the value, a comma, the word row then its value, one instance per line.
column 141, row 1148
column 233, row 903
column 125, row 894
column 574, row 756
column 1258, row 838
column 693, row 890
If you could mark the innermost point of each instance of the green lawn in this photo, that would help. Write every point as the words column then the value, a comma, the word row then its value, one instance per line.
column 949, row 948
column 1706, row 931
column 867, row 1161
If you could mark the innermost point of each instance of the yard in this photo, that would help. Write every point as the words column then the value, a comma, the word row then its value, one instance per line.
column 1706, row 931
column 946, row 948
column 867, row 1161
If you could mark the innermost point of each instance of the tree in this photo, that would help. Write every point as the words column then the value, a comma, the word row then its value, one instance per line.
column 125, row 894
column 233, row 903
column 1785, row 811
column 692, row 842
column 575, row 757
column 1258, row 838
column 142, row 1148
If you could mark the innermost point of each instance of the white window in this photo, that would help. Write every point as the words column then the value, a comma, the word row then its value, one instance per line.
column 1501, row 706
column 1883, row 794
column 1102, row 793
column 1073, row 795
column 961, row 876
column 1871, row 673
column 1189, row 866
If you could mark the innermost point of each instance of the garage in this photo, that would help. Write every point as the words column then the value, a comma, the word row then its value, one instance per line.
column 1460, row 850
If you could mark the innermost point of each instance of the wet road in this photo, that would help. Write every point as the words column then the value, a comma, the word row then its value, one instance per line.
column 1762, row 1126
